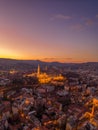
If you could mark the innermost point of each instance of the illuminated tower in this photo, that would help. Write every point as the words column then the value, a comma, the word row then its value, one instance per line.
column 38, row 70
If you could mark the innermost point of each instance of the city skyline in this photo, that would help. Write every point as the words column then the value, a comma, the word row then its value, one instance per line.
column 57, row 30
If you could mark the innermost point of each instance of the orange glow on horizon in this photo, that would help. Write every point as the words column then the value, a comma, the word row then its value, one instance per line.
column 16, row 46
column 28, row 33
column 16, row 57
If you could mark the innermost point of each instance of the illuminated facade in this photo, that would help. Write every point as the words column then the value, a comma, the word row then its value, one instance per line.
column 45, row 78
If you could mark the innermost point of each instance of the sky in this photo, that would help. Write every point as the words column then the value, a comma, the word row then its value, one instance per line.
column 49, row 30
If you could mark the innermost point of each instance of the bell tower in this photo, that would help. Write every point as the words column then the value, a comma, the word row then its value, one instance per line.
column 38, row 70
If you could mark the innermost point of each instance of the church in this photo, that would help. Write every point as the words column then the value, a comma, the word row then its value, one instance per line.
column 45, row 78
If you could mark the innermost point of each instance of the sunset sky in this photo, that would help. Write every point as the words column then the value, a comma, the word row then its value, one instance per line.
column 49, row 30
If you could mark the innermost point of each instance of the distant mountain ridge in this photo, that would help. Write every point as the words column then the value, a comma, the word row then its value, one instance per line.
column 20, row 64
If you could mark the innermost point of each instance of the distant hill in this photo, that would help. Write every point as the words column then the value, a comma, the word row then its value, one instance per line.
column 6, row 64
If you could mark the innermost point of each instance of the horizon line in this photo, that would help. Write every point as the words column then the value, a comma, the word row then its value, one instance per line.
column 48, row 61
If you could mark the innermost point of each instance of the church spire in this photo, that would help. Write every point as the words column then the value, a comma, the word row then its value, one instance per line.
column 38, row 70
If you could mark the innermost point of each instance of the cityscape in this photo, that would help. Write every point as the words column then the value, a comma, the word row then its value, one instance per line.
column 48, row 65
column 48, row 96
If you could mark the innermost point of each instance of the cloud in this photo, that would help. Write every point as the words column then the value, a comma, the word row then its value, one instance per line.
column 89, row 22
column 61, row 16
column 96, row 15
column 57, row 59
column 77, row 27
